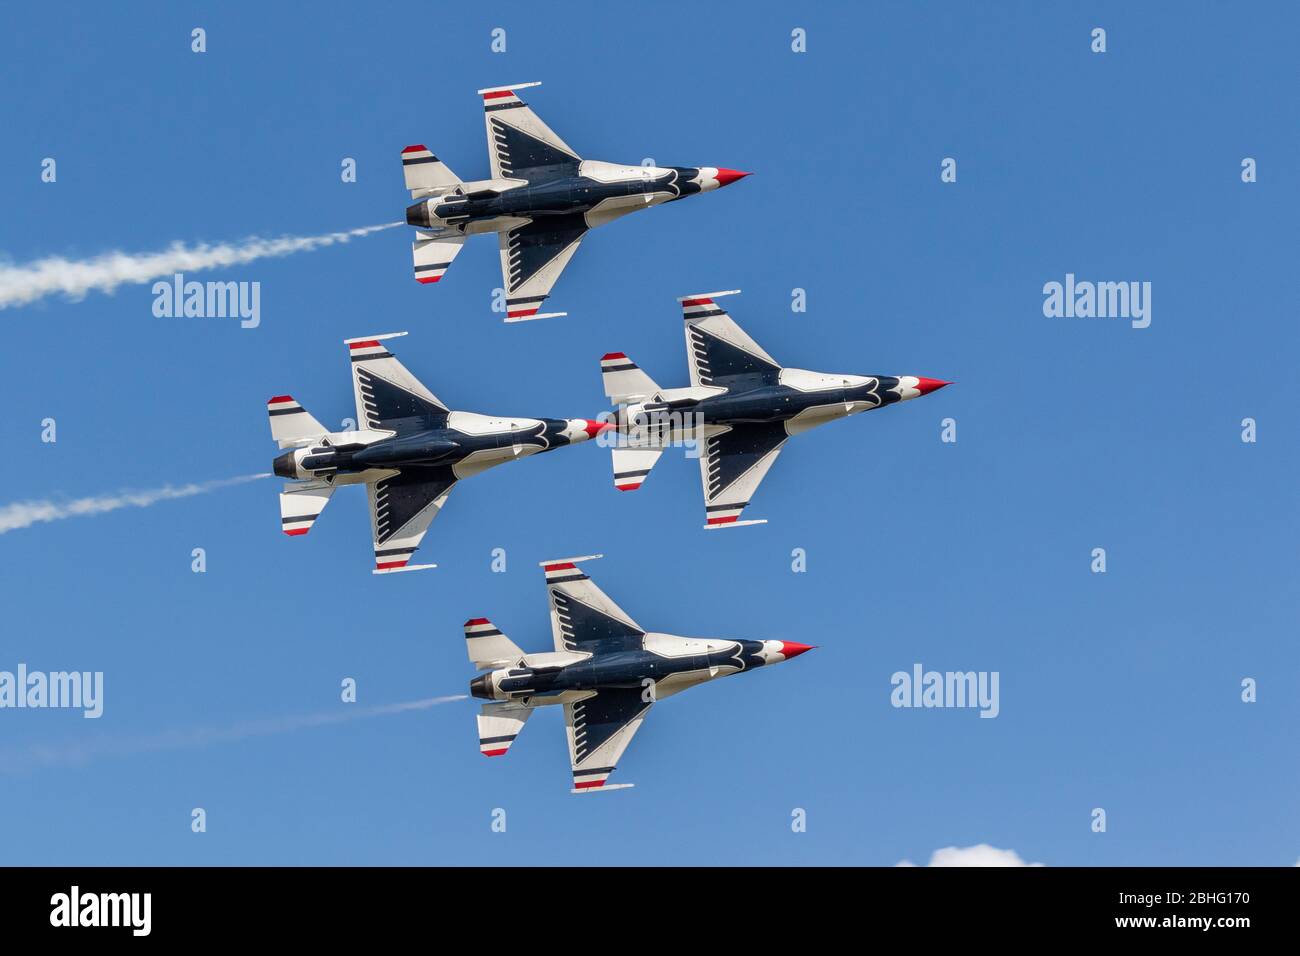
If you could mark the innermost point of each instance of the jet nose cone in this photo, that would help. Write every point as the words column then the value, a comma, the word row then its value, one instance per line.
column 284, row 466
column 927, row 385
column 791, row 649
column 726, row 176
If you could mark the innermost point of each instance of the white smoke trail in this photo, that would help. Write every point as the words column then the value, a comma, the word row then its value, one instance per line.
column 19, row 760
column 29, row 281
column 23, row 514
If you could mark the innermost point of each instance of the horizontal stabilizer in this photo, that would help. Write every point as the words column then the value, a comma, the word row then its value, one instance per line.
column 425, row 173
column 432, row 254
column 624, row 380
column 632, row 466
column 498, row 726
column 291, row 424
column 488, row 648
column 302, row 503
column 605, row 788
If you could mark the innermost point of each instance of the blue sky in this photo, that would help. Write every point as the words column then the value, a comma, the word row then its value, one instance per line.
column 1118, row 690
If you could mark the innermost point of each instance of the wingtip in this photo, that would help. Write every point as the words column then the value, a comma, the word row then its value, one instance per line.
column 374, row 338
column 708, row 295
column 554, row 561
column 511, row 88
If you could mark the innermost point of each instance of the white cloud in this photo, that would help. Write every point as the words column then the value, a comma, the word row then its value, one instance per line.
column 979, row 855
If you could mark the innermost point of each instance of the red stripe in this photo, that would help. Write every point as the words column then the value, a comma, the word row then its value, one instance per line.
column 494, row 753
column 628, row 487
column 532, row 311
column 477, row 620
column 722, row 520
column 686, row 302
column 390, row 564
column 588, row 783
column 364, row 345
column 559, row 567
column 497, row 95
column 416, row 149
column 425, row 280
column 297, row 531
column 279, row 398
column 612, row 355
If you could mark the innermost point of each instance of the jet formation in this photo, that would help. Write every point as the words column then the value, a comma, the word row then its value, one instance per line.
column 541, row 200
column 606, row 671
column 410, row 449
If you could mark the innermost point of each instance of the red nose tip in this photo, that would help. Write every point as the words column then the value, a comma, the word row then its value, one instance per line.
column 927, row 385
column 790, row 649
column 595, row 428
column 726, row 176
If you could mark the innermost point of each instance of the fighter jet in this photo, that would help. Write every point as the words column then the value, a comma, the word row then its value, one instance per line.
column 606, row 670
column 541, row 200
column 739, row 411
column 409, row 450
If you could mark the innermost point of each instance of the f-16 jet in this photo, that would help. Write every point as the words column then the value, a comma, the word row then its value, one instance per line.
column 409, row 450
column 738, row 412
column 606, row 671
column 541, row 200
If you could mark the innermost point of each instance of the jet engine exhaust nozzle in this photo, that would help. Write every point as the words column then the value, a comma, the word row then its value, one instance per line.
column 481, row 687
column 417, row 214
column 284, row 466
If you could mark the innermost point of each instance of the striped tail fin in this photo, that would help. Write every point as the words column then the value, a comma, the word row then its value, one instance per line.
column 291, row 424
column 488, row 647
column 499, row 725
column 624, row 380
